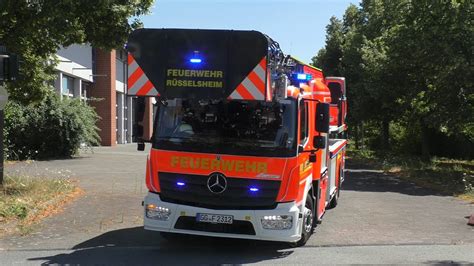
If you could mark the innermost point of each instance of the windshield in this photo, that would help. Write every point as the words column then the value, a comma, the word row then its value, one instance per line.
column 227, row 127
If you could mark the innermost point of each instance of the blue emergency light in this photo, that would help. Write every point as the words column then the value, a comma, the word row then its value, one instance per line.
column 302, row 76
column 254, row 189
column 195, row 60
column 180, row 184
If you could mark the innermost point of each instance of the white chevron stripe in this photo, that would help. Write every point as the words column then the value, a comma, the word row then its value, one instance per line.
column 252, row 89
column 153, row 92
column 250, row 86
column 132, row 67
column 236, row 95
column 260, row 72
column 137, row 85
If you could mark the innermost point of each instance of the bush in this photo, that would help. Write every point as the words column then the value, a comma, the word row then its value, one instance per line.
column 51, row 129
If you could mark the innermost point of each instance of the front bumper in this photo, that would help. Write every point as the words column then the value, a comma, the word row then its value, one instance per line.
column 252, row 217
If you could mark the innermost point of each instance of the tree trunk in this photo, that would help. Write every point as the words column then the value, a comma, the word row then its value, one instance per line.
column 425, row 145
column 357, row 140
column 386, row 134
column 1, row 146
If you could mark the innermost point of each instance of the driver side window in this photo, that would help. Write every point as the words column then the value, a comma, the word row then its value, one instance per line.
column 303, row 122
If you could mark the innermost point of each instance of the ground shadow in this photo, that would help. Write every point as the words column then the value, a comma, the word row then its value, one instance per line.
column 378, row 181
column 137, row 246
column 447, row 262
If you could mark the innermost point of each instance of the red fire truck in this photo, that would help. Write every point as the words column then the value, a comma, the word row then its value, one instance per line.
column 245, row 141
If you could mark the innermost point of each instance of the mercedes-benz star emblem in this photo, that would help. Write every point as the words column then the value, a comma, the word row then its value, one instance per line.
column 217, row 183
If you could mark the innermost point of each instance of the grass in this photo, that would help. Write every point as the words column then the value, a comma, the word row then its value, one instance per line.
column 26, row 200
column 454, row 177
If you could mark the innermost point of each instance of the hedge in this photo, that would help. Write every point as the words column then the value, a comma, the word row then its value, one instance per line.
column 54, row 128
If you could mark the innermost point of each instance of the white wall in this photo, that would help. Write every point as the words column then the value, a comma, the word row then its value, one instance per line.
column 76, row 61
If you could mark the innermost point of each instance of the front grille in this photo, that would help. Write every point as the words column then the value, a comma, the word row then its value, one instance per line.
column 237, row 227
column 236, row 196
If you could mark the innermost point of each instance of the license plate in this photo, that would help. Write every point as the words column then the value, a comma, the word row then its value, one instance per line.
column 214, row 218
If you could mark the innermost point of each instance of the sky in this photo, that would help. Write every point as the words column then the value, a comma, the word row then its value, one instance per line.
column 297, row 25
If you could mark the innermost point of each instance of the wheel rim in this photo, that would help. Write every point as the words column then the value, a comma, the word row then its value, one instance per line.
column 308, row 221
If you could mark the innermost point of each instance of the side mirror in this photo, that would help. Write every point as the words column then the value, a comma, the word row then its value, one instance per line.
column 300, row 148
column 140, row 146
column 319, row 142
column 322, row 117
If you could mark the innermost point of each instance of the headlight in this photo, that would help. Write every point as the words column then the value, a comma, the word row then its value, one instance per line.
column 157, row 212
column 277, row 222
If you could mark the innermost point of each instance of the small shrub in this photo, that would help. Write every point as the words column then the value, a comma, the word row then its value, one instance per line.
column 18, row 210
column 53, row 128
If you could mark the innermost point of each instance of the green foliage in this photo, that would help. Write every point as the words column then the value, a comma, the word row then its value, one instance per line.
column 19, row 211
column 53, row 128
column 408, row 65
column 442, row 174
column 330, row 57
column 37, row 29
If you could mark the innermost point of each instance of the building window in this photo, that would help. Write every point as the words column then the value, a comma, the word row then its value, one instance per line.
column 121, row 65
column 67, row 85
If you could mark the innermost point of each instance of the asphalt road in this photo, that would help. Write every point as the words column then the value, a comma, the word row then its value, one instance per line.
column 379, row 219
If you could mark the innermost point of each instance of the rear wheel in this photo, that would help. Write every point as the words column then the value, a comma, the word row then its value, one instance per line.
column 308, row 221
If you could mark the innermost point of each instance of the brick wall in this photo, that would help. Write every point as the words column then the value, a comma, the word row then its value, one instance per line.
column 104, row 89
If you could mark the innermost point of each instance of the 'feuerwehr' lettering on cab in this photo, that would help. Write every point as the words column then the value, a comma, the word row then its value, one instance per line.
column 218, row 165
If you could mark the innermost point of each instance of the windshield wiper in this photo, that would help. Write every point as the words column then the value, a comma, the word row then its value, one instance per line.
column 174, row 139
column 171, row 137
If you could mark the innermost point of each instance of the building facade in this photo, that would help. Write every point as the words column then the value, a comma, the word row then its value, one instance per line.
column 99, row 78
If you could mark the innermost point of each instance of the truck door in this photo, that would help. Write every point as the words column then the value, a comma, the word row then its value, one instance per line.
column 321, row 172
column 323, row 182
column 337, row 86
column 305, row 167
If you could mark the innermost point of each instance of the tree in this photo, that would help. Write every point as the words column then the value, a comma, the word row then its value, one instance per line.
column 329, row 58
column 380, row 19
column 439, row 38
column 351, row 63
column 37, row 29
column 407, row 63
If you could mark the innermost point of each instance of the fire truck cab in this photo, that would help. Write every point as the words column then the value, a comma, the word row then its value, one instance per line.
column 242, row 143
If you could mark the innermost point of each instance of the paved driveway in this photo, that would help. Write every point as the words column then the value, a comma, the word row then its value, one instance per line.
column 375, row 210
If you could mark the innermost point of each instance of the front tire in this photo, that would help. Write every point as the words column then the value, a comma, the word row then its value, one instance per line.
column 308, row 221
